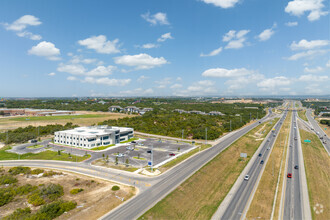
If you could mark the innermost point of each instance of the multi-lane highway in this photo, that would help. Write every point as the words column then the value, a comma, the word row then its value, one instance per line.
column 240, row 200
column 152, row 190
column 293, row 198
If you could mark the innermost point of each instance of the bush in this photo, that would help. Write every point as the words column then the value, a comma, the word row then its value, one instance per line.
column 36, row 199
column 37, row 171
column 7, row 179
column 52, row 191
column 25, row 189
column 57, row 208
column 51, row 173
column 6, row 196
column 19, row 214
column 77, row 190
column 18, row 170
column 115, row 188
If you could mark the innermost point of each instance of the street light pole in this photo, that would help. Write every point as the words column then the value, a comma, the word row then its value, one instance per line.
column 152, row 157
column 205, row 135
column 230, row 125
column 182, row 134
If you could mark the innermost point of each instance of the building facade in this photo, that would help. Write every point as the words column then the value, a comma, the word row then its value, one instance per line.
column 93, row 136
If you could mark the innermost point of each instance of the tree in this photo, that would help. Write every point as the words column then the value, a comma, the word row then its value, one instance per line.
column 59, row 152
column 116, row 160
column 127, row 162
column 103, row 156
column 107, row 159
column 178, row 148
column 138, row 155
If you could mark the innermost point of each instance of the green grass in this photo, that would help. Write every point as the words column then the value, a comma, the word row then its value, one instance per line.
column 302, row 115
column 102, row 147
column 45, row 155
column 141, row 158
column 35, row 146
column 59, row 117
column 129, row 140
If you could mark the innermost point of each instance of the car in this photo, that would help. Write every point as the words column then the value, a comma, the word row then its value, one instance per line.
column 312, row 129
column 172, row 154
column 296, row 167
column 262, row 162
column 295, row 138
column 246, row 177
column 259, row 122
column 260, row 155
column 289, row 175
column 268, row 140
column 120, row 155
column 133, row 142
column 130, row 148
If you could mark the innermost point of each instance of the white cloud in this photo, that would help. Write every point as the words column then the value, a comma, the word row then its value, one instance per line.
column 267, row 33
column 308, row 45
column 203, row 87
column 235, row 39
column 226, row 73
column 75, row 69
column 165, row 37
column 239, row 82
column 307, row 54
column 79, row 59
column 149, row 46
column 179, row 78
column 205, row 83
column 45, row 49
column 212, row 53
column 106, row 81
column 29, row 35
column 327, row 64
column 291, row 24
column 299, row 7
column 51, row 74
column 137, row 92
column 101, row 45
column 158, row 18
column 176, row 86
column 313, row 70
column 163, row 83
column 140, row 61
column 71, row 78
column 222, row 3
column 101, row 71
column 23, row 22
column 142, row 78
column 313, row 78
column 273, row 83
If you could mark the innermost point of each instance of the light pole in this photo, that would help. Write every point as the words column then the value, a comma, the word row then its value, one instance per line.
column 230, row 125
column 182, row 134
column 205, row 135
column 152, row 157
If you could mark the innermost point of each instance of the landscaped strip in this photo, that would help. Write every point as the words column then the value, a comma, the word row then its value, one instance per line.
column 262, row 203
column 201, row 194
column 317, row 166
column 302, row 115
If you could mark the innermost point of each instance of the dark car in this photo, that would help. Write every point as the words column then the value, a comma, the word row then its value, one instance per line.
column 262, row 162
column 296, row 167
column 133, row 142
column 171, row 154
column 289, row 175
column 259, row 155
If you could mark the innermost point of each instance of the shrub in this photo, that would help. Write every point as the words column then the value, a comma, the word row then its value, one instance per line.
column 36, row 199
column 51, row 173
column 52, row 191
column 6, row 196
column 7, row 179
column 115, row 188
column 37, row 171
column 19, row 214
column 77, row 190
column 25, row 189
column 57, row 208
column 18, row 170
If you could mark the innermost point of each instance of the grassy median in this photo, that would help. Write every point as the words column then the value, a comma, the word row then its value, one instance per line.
column 262, row 203
column 302, row 115
column 201, row 194
column 317, row 166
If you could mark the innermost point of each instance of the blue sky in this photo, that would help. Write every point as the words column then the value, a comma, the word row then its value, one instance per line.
column 164, row 48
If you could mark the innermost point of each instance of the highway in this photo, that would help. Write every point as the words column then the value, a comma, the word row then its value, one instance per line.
column 151, row 190
column 240, row 200
column 292, row 201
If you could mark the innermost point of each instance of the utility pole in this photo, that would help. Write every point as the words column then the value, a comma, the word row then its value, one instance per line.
column 241, row 118
column 230, row 125
column 205, row 135
column 7, row 137
column 257, row 115
column 152, row 157
column 182, row 134
column 250, row 116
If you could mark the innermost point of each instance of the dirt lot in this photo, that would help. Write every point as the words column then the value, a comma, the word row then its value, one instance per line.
column 327, row 130
column 96, row 200
column 6, row 123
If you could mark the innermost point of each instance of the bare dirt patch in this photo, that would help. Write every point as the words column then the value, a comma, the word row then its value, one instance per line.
column 94, row 201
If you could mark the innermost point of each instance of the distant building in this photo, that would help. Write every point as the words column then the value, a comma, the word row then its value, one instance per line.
column 115, row 108
column 93, row 136
column 130, row 109
column 143, row 111
column 251, row 107
column 215, row 113
column 102, row 102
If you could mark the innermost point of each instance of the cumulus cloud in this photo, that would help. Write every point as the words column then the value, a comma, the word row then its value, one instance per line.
column 307, row 54
column 313, row 78
column 308, row 45
column 313, row 70
column 235, row 39
column 51, row 74
column 71, row 78
column 106, row 81
column 212, row 53
column 142, row 78
column 101, row 71
column 158, row 18
column 21, row 24
column 75, row 69
column 176, row 86
column 226, row 73
column 140, row 61
column 101, row 45
column 239, row 82
column 291, row 24
column 273, row 83
column 165, row 37
column 162, row 84
column 267, row 33
column 45, row 49
column 327, row 64
column 313, row 7
column 137, row 92
column 149, row 46
column 222, row 3
column 80, row 59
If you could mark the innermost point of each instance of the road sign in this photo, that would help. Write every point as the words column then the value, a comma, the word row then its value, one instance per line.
column 244, row 155
column 307, row 141
column 149, row 163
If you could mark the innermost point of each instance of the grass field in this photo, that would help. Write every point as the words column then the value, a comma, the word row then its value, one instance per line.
column 45, row 155
column 201, row 194
column 262, row 203
column 58, row 117
column 317, row 165
column 302, row 115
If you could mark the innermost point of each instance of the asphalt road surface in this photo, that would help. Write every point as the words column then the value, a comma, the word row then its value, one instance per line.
column 241, row 197
column 293, row 202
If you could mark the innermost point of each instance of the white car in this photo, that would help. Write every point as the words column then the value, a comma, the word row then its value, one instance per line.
column 246, row 177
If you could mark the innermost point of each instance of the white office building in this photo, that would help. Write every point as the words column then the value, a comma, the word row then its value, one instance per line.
column 93, row 136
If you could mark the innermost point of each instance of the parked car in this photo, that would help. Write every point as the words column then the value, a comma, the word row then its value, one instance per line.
column 120, row 155
column 133, row 142
column 289, row 175
column 296, row 167
column 171, row 154
column 247, row 177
